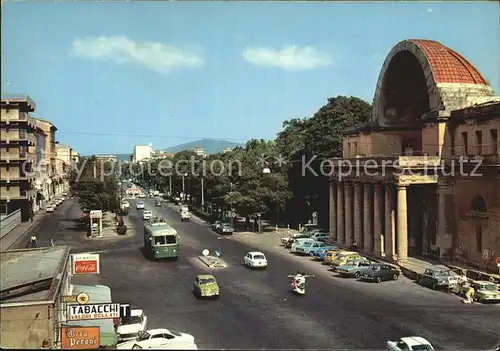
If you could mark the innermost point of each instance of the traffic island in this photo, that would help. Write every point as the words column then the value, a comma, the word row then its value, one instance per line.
column 212, row 262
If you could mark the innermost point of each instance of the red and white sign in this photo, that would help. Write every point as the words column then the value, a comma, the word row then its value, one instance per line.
column 83, row 264
column 133, row 191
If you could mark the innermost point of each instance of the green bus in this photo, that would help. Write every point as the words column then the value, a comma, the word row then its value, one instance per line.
column 161, row 241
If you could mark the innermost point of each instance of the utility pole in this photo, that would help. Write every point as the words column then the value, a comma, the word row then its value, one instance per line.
column 202, row 195
column 170, row 185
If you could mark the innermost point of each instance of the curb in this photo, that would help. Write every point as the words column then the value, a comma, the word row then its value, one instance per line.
column 212, row 262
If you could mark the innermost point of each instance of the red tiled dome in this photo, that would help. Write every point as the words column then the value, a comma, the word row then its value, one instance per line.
column 448, row 66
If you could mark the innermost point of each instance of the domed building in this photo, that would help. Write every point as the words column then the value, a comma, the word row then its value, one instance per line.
column 422, row 177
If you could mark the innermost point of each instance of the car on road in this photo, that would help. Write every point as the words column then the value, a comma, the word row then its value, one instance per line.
column 147, row 215
column 320, row 236
column 157, row 338
column 255, row 259
column 158, row 203
column 226, row 228
column 410, row 343
column 438, row 277
column 142, row 195
column 131, row 328
column 306, row 247
column 379, row 272
column 343, row 257
column 50, row 208
column 484, row 291
column 354, row 268
column 205, row 285
column 139, row 205
column 323, row 248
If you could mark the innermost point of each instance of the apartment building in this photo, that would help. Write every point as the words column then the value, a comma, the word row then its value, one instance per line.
column 199, row 151
column 142, row 152
column 46, row 182
column 62, row 166
column 18, row 156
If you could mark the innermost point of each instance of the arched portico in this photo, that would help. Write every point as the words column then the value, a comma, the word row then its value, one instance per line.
column 424, row 76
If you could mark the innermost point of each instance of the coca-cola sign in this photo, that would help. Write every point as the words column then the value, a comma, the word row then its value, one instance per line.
column 85, row 264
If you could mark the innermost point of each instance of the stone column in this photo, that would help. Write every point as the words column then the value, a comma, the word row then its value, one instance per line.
column 358, row 214
column 348, row 193
column 333, row 212
column 377, row 222
column 443, row 238
column 390, row 223
column 367, row 219
column 340, row 214
column 402, row 230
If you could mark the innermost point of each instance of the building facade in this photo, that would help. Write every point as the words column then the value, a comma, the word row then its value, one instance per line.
column 62, row 166
column 142, row 153
column 17, row 160
column 394, row 193
column 47, row 180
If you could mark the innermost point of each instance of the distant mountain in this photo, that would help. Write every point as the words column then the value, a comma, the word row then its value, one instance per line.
column 123, row 157
column 211, row 146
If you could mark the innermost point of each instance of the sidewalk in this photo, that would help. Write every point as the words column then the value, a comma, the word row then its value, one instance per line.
column 17, row 234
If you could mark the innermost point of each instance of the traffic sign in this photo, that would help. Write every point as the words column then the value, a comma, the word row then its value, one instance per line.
column 315, row 214
column 81, row 298
column 498, row 260
column 233, row 214
column 217, row 252
column 258, row 214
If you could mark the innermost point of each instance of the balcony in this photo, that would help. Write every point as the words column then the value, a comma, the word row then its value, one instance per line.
column 19, row 156
column 15, row 193
column 16, row 174
column 17, row 136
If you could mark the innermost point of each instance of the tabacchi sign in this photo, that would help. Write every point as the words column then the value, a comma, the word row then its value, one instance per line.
column 94, row 311
column 85, row 264
column 80, row 337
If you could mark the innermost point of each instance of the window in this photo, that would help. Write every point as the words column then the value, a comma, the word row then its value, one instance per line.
column 478, row 205
column 479, row 238
column 3, row 207
column 479, row 142
column 171, row 239
column 465, row 143
column 159, row 240
column 355, row 148
column 494, row 141
column 349, row 151
column 159, row 336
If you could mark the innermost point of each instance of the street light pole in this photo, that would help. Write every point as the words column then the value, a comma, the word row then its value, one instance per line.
column 231, row 204
column 170, row 185
column 202, row 195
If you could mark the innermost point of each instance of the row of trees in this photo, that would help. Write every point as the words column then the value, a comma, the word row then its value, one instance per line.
column 237, row 180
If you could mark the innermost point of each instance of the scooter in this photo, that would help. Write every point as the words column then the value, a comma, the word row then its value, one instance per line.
column 299, row 283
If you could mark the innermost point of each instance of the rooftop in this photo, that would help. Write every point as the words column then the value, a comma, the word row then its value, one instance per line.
column 19, row 99
column 34, row 271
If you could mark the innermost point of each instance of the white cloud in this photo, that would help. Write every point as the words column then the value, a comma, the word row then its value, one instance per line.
column 290, row 57
column 152, row 55
column 429, row 10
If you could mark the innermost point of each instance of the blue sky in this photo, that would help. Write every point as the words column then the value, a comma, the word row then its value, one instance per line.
column 172, row 72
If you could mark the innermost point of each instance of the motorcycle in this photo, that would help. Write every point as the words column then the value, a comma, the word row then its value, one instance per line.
column 299, row 283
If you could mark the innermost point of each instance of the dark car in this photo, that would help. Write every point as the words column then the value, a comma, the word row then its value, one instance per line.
column 380, row 272
column 438, row 277
column 225, row 228
column 158, row 203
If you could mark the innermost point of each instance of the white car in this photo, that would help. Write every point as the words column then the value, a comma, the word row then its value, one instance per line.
column 410, row 343
column 158, row 338
column 255, row 259
column 50, row 208
column 130, row 329
column 142, row 195
column 146, row 215
column 286, row 238
column 139, row 205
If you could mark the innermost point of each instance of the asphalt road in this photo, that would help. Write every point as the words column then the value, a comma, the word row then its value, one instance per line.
column 256, row 310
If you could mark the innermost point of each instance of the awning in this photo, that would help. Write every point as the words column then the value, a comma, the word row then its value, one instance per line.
column 97, row 294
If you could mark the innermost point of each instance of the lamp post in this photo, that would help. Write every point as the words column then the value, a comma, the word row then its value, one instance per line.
column 231, row 203
column 184, row 186
column 169, row 185
column 202, row 195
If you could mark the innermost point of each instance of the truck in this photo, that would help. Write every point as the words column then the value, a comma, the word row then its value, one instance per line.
column 161, row 241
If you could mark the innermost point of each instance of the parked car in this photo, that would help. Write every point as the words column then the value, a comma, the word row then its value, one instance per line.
column 320, row 254
column 156, row 338
column 147, row 215
column 291, row 241
column 484, row 291
column 410, row 343
column 299, row 243
column 308, row 227
column 216, row 225
column 330, row 256
column 50, row 208
column 354, row 268
column 205, row 285
column 131, row 328
column 438, row 277
column 285, row 239
column 343, row 257
column 139, row 205
column 255, row 259
column 320, row 236
column 307, row 247
column 323, row 248
column 226, row 228
column 379, row 272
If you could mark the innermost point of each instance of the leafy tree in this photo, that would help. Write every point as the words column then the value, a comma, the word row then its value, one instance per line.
column 319, row 137
column 96, row 187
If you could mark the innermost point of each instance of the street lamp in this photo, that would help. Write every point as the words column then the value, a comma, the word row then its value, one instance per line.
column 184, row 186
